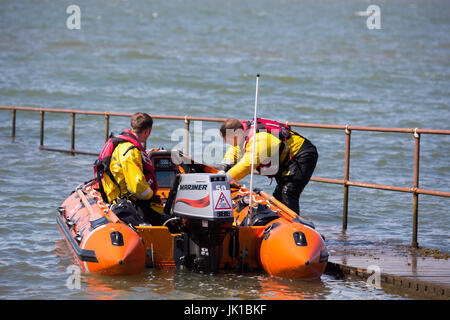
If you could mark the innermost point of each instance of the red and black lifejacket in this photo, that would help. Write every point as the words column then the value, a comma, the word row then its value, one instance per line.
column 101, row 165
column 279, row 130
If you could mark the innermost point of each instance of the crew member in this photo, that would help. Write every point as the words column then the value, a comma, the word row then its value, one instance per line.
column 281, row 153
column 126, row 177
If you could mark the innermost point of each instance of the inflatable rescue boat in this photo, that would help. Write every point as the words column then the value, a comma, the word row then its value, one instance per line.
column 211, row 228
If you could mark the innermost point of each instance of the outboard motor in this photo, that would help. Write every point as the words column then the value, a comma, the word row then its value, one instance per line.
column 203, row 202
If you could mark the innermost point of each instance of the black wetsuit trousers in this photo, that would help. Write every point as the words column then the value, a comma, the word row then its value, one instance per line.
column 135, row 212
column 300, row 169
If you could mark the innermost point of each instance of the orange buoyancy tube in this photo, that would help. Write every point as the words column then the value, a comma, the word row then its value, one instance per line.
column 289, row 247
column 100, row 242
column 292, row 250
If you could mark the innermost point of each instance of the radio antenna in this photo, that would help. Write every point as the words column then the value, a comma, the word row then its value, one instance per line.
column 250, row 209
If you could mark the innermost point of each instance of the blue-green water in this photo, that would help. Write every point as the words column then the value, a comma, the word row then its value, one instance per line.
column 319, row 63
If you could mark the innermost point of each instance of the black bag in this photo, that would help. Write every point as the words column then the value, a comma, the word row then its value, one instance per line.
column 126, row 211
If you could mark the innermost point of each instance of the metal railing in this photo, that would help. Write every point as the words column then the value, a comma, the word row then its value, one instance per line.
column 346, row 182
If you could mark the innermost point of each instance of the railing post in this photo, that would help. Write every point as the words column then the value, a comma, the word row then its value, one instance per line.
column 72, row 135
column 13, row 125
column 186, row 137
column 414, row 243
column 41, row 134
column 106, row 127
column 346, row 177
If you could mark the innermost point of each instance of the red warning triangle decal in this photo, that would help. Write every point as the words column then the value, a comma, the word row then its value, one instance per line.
column 222, row 202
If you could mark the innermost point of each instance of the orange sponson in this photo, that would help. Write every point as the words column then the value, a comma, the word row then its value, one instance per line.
column 287, row 247
column 100, row 242
column 292, row 250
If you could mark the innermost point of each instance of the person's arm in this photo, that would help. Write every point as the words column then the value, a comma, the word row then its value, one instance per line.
column 265, row 144
column 232, row 156
column 134, row 175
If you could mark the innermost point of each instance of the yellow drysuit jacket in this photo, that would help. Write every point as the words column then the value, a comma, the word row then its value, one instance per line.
column 267, row 149
column 127, row 169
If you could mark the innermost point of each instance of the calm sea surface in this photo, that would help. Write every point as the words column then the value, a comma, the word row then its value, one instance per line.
column 319, row 63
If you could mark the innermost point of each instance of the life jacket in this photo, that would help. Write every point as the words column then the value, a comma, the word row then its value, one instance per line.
column 101, row 165
column 279, row 130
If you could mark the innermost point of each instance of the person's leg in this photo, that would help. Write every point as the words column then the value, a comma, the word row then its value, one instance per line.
column 306, row 165
column 277, row 192
column 290, row 195
column 291, row 186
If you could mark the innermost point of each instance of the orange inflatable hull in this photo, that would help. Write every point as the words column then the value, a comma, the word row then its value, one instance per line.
column 292, row 250
column 100, row 242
